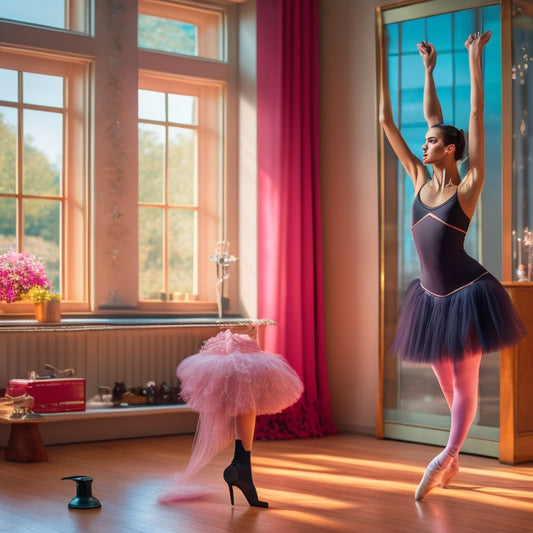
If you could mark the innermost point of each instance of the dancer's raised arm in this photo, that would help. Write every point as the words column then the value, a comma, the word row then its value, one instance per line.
column 472, row 184
column 413, row 166
column 432, row 108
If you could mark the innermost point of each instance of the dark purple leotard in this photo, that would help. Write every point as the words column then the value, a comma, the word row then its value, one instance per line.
column 439, row 234
column 456, row 307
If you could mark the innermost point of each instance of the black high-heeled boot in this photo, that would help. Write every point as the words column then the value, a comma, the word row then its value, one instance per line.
column 239, row 474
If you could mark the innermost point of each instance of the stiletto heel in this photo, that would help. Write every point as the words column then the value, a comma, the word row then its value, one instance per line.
column 239, row 474
column 230, row 493
column 231, row 477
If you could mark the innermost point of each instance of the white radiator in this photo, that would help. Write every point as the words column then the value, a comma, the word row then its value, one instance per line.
column 133, row 355
column 21, row 352
column 141, row 355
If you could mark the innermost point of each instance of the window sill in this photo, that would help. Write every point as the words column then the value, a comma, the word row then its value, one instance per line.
column 94, row 323
column 23, row 308
column 89, row 323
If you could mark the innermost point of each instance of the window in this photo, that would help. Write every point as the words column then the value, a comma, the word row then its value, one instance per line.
column 181, row 137
column 176, row 148
column 62, row 14
column 41, row 103
column 182, row 30
column 114, row 150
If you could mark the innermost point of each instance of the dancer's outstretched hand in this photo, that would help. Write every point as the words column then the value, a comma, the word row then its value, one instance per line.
column 428, row 53
column 476, row 41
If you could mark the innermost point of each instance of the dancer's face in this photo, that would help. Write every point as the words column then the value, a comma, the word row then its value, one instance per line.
column 434, row 149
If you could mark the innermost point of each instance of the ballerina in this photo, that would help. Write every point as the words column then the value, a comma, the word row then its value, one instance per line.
column 457, row 310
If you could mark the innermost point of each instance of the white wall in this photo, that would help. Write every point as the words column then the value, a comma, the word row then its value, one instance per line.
column 349, row 169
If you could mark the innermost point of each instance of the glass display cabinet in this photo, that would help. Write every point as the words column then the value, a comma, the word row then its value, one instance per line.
column 516, row 363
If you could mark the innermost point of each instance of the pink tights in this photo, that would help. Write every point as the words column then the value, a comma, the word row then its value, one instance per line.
column 459, row 383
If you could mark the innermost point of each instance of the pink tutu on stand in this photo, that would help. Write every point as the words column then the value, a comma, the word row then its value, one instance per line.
column 230, row 376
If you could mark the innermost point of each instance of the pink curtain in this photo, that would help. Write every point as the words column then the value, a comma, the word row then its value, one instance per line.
column 290, row 253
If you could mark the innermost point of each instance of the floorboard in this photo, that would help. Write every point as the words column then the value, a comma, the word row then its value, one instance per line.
column 343, row 483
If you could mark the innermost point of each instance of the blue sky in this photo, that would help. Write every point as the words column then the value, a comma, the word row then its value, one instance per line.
column 45, row 12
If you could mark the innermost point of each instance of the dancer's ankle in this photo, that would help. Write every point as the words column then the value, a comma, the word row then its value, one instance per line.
column 445, row 458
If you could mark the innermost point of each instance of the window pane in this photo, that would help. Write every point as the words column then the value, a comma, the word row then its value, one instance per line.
column 8, row 85
column 49, row 13
column 463, row 22
column 410, row 35
column 42, row 89
column 181, row 166
column 441, row 74
column 42, row 233
column 167, row 35
column 8, row 225
column 410, row 64
column 439, row 33
column 394, row 39
column 8, row 150
column 151, row 163
column 180, row 30
column 182, row 109
column 410, row 109
column 181, row 250
column 151, row 278
column 43, row 141
column 152, row 105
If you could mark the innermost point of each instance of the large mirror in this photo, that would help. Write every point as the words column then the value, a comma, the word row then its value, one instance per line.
column 413, row 406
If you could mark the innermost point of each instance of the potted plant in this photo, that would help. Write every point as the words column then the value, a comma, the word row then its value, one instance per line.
column 23, row 277
column 47, row 306
column 38, row 294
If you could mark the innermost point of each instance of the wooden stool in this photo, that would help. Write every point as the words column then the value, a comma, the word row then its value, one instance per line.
column 24, row 444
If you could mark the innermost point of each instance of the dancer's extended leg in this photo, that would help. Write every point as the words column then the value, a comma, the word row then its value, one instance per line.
column 239, row 472
column 444, row 374
column 244, row 429
column 465, row 401
column 463, row 397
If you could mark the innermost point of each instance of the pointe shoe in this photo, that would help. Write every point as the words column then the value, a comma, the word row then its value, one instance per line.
column 432, row 478
column 450, row 472
column 241, row 477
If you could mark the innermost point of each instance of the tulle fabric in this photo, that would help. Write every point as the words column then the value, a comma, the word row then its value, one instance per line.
column 479, row 317
column 238, row 381
column 230, row 376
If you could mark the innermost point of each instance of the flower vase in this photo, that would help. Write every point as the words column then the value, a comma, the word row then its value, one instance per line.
column 48, row 312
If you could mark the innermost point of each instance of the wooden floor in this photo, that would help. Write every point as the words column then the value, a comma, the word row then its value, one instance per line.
column 344, row 483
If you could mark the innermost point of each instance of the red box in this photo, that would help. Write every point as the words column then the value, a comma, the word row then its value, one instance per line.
column 52, row 395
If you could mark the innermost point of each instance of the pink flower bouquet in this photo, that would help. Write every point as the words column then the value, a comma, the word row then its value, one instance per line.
column 19, row 272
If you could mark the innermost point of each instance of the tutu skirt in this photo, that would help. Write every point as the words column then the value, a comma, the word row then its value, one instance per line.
column 479, row 317
column 230, row 376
